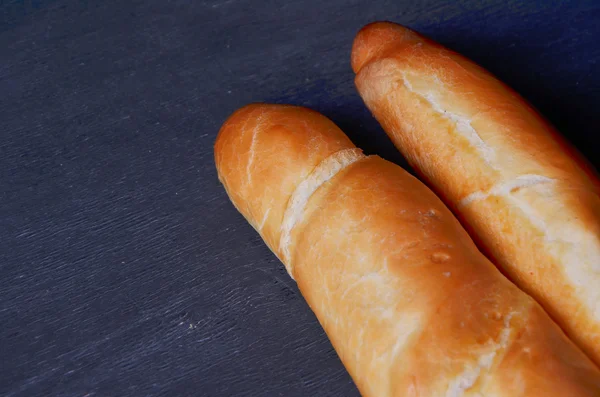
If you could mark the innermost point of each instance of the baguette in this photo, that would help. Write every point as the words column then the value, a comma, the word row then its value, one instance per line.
column 528, row 199
column 409, row 303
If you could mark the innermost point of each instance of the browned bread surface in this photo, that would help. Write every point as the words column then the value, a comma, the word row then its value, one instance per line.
column 525, row 195
column 409, row 303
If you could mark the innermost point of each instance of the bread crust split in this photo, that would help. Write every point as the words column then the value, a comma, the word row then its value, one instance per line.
column 407, row 300
column 529, row 200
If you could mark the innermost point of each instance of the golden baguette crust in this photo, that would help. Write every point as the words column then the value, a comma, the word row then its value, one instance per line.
column 409, row 303
column 528, row 198
column 294, row 146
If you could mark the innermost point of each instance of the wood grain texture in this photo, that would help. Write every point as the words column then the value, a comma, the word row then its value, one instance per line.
column 120, row 255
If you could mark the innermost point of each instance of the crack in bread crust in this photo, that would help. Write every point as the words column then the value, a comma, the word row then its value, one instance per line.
column 462, row 123
column 468, row 378
column 507, row 187
column 323, row 172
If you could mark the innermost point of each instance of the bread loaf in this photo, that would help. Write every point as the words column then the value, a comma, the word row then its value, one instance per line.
column 409, row 303
column 528, row 199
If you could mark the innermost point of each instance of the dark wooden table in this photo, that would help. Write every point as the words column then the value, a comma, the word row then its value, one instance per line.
column 125, row 271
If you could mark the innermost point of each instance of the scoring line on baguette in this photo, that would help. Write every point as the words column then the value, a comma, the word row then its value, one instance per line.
column 327, row 169
column 462, row 123
column 506, row 188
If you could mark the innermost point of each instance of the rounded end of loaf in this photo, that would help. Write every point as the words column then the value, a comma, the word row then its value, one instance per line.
column 228, row 130
column 378, row 38
column 263, row 152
